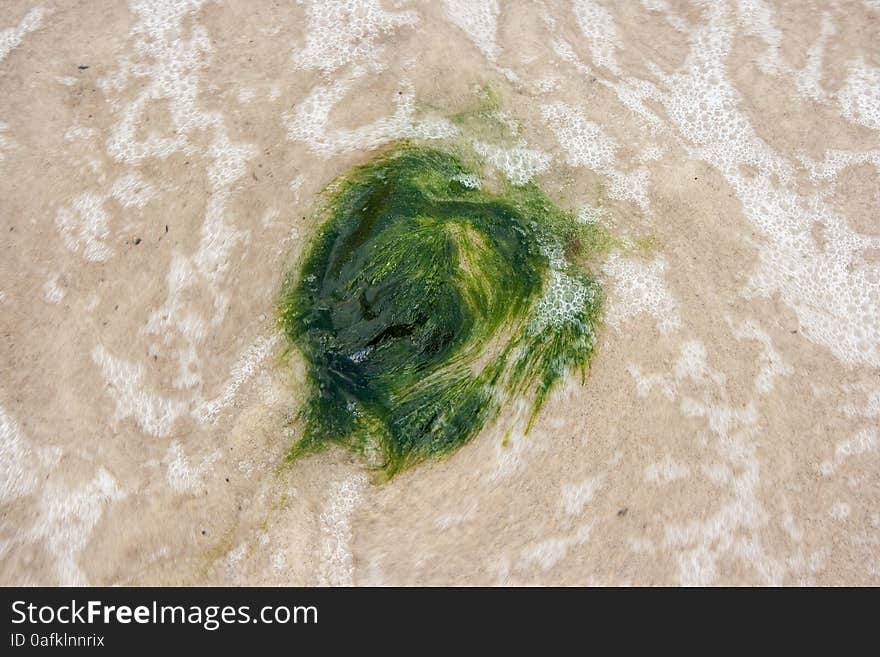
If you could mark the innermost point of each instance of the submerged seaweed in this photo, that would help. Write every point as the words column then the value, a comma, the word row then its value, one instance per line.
column 424, row 303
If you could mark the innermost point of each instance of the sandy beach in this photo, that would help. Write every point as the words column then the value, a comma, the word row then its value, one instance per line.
column 161, row 163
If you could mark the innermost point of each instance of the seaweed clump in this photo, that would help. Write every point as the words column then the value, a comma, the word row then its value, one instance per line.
column 424, row 303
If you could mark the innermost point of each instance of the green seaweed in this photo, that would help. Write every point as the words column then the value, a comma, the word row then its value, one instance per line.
column 423, row 304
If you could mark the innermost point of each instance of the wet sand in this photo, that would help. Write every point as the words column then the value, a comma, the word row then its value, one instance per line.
column 159, row 165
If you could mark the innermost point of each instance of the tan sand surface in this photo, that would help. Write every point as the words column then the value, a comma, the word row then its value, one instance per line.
column 159, row 164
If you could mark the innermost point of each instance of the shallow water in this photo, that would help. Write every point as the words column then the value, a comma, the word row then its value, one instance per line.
column 159, row 169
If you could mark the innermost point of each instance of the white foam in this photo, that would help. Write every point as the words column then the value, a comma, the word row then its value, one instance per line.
column 337, row 563
column 170, row 51
column 519, row 163
column 839, row 511
column 168, row 59
column 809, row 78
column 309, row 122
column 563, row 300
column 235, row 557
column 270, row 217
column 52, row 292
column 343, row 32
column 478, row 19
column 153, row 413
column 639, row 287
column 544, row 85
column 79, row 132
column 12, row 37
column 733, row 529
column 132, row 191
column 837, row 305
column 182, row 476
column 6, row 143
column 757, row 18
column 864, row 442
column 597, row 24
column 513, row 454
column 18, row 464
column 576, row 496
column 773, row 365
column 693, row 364
column 666, row 471
column 829, row 168
column 663, row 7
column 591, row 215
column 645, row 383
column 651, row 153
column 85, row 226
column 469, row 180
column 871, row 409
column 454, row 519
column 547, row 553
column 66, row 520
column 278, row 561
column 296, row 184
column 172, row 65
column 248, row 364
column 587, row 145
column 584, row 142
column 860, row 97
